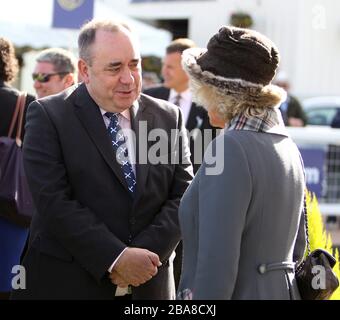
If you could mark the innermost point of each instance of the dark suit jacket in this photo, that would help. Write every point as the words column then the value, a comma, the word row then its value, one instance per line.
column 85, row 214
column 8, row 100
column 198, row 119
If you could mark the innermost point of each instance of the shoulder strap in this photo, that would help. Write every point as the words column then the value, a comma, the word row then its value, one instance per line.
column 306, row 222
column 22, row 103
column 15, row 116
column 304, row 209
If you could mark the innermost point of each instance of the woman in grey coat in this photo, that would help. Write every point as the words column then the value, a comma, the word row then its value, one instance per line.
column 240, row 216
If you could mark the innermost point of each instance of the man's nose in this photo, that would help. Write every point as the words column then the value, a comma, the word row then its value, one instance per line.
column 37, row 84
column 127, row 76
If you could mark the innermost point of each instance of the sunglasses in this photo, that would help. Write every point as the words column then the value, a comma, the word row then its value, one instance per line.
column 45, row 77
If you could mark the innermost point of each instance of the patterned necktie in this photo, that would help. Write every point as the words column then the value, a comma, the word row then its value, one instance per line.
column 118, row 143
column 177, row 100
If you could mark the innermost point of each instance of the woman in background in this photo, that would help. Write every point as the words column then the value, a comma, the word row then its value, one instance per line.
column 240, row 216
column 12, row 234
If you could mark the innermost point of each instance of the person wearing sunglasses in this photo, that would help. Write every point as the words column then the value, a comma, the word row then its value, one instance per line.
column 55, row 71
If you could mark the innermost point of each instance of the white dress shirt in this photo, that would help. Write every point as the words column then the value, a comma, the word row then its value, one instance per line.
column 185, row 102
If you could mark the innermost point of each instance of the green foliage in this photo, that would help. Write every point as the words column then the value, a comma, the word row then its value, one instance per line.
column 241, row 20
column 318, row 236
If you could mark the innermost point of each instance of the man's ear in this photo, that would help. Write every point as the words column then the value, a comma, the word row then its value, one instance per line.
column 83, row 71
column 69, row 80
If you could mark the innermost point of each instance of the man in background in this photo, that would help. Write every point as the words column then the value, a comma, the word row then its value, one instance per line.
column 54, row 71
column 176, row 90
column 291, row 109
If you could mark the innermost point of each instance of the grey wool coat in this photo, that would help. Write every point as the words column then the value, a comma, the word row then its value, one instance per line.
column 240, row 227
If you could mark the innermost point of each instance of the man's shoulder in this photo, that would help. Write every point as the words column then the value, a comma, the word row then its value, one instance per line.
column 60, row 99
column 158, row 105
column 58, row 106
column 159, row 92
column 199, row 110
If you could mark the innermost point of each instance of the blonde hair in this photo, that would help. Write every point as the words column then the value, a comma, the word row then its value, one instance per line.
column 227, row 106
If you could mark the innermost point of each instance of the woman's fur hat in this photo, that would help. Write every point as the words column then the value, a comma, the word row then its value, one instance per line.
column 238, row 63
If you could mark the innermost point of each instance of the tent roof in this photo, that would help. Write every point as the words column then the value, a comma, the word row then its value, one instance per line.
column 33, row 27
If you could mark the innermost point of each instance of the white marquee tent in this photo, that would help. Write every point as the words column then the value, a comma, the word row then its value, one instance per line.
column 29, row 23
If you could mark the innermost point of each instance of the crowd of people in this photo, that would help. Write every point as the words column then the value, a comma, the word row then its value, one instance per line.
column 208, row 220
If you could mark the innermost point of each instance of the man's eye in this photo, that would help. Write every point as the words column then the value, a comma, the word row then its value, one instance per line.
column 134, row 65
column 114, row 70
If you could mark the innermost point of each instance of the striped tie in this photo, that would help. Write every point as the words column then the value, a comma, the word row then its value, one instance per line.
column 177, row 100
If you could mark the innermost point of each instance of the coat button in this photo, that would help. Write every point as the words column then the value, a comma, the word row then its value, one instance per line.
column 262, row 269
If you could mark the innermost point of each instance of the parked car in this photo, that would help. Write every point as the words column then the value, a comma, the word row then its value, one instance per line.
column 321, row 111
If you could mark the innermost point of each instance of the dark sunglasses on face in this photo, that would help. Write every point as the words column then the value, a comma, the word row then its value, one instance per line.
column 45, row 77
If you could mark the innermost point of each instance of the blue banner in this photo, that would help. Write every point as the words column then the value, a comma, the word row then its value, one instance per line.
column 136, row 1
column 314, row 161
column 71, row 14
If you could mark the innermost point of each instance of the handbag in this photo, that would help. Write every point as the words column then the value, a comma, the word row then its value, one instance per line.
column 315, row 277
column 16, row 203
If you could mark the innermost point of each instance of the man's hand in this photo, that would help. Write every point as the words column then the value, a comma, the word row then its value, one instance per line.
column 118, row 280
column 136, row 266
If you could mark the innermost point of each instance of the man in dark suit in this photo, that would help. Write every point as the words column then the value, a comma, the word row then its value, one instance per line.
column 176, row 90
column 291, row 109
column 102, row 218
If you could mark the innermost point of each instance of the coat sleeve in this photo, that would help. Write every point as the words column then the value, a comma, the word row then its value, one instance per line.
column 300, row 243
column 224, row 196
column 74, row 226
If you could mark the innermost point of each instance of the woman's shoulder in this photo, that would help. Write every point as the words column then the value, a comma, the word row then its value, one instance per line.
column 10, row 92
column 225, row 151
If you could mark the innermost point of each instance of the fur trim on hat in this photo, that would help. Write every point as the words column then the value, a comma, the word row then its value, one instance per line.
column 228, row 96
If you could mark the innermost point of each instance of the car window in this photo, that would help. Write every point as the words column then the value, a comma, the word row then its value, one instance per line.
column 320, row 116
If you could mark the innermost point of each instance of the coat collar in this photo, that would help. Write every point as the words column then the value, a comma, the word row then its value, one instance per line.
column 271, row 123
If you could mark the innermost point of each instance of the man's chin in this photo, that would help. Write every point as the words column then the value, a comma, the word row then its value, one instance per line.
column 41, row 95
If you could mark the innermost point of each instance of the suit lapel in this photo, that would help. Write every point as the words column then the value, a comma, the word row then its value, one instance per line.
column 195, row 118
column 166, row 94
column 142, row 118
column 91, row 118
